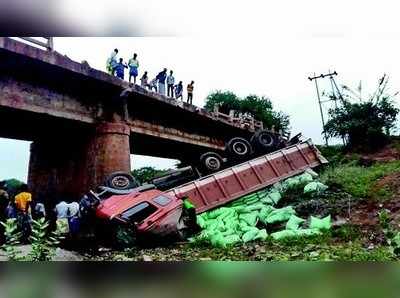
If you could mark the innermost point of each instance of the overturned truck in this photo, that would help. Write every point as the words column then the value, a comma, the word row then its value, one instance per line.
column 152, row 212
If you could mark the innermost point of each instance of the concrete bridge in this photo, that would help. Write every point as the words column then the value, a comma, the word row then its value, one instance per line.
column 81, row 127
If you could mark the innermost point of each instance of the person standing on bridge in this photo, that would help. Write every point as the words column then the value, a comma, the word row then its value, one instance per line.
column 133, row 64
column 153, row 85
column 120, row 69
column 170, row 84
column 161, row 81
column 144, row 80
column 112, row 62
column 179, row 91
column 190, row 88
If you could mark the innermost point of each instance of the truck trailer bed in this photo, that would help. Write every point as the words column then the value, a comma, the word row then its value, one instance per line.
column 227, row 185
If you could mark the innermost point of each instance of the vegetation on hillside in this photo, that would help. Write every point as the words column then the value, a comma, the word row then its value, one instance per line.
column 260, row 107
column 366, row 124
column 359, row 181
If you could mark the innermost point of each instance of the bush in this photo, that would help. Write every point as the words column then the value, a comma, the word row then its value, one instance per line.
column 43, row 241
column 366, row 124
column 12, row 237
column 336, row 154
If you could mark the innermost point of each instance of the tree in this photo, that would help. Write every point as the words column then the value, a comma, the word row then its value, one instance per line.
column 145, row 174
column 227, row 101
column 13, row 186
column 366, row 124
column 260, row 108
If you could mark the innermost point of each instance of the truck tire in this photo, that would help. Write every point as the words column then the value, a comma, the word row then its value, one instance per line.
column 264, row 141
column 211, row 162
column 239, row 148
column 121, row 180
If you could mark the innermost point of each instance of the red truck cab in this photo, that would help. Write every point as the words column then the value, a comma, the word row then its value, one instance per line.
column 152, row 212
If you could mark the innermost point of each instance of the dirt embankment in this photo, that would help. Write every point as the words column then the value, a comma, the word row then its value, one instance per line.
column 390, row 152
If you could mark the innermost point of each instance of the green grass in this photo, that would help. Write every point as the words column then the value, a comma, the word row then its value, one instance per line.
column 360, row 181
column 295, row 250
column 337, row 154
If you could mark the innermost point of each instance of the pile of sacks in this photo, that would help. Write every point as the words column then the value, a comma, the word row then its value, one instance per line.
column 240, row 221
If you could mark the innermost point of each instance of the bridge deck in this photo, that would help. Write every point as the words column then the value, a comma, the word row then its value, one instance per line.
column 51, row 92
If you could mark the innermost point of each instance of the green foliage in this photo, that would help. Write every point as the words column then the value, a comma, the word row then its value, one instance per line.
column 357, row 180
column 392, row 235
column 12, row 239
column 13, row 186
column 145, row 174
column 43, row 241
column 125, row 237
column 384, row 219
column 317, row 248
column 337, row 154
column 227, row 101
column 366, row 124
column 260, row 108
column 347, row 232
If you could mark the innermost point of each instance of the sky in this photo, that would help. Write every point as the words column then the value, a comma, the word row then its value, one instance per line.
column 249, row 47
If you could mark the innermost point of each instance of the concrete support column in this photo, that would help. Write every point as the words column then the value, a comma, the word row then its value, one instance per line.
column 111, row 151
column 67, row 166
column 57, row 169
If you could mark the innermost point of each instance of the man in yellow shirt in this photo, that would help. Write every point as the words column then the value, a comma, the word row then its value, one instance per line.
column 23, row 202
column 23, row 199
column 190, row 88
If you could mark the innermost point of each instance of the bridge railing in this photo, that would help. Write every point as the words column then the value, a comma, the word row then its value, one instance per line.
column 244, row 121
column 46, row 42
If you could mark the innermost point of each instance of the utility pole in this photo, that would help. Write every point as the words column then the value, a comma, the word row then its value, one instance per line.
column 335, row 91
column 315, row 79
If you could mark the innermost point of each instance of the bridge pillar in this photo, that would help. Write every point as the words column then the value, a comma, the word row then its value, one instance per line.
column 110, row 151
column 64, row 168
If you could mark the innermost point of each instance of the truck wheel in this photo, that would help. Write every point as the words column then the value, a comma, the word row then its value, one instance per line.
column 211, row 161
column 264, row 141
column 239, row 148
column 121, row 180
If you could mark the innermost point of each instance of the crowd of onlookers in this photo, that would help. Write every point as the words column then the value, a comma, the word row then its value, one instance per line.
column 18, row 204
column 162, row 82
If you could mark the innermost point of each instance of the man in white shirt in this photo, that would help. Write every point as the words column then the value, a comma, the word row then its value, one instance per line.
column 170, row 84
column 62, row 210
